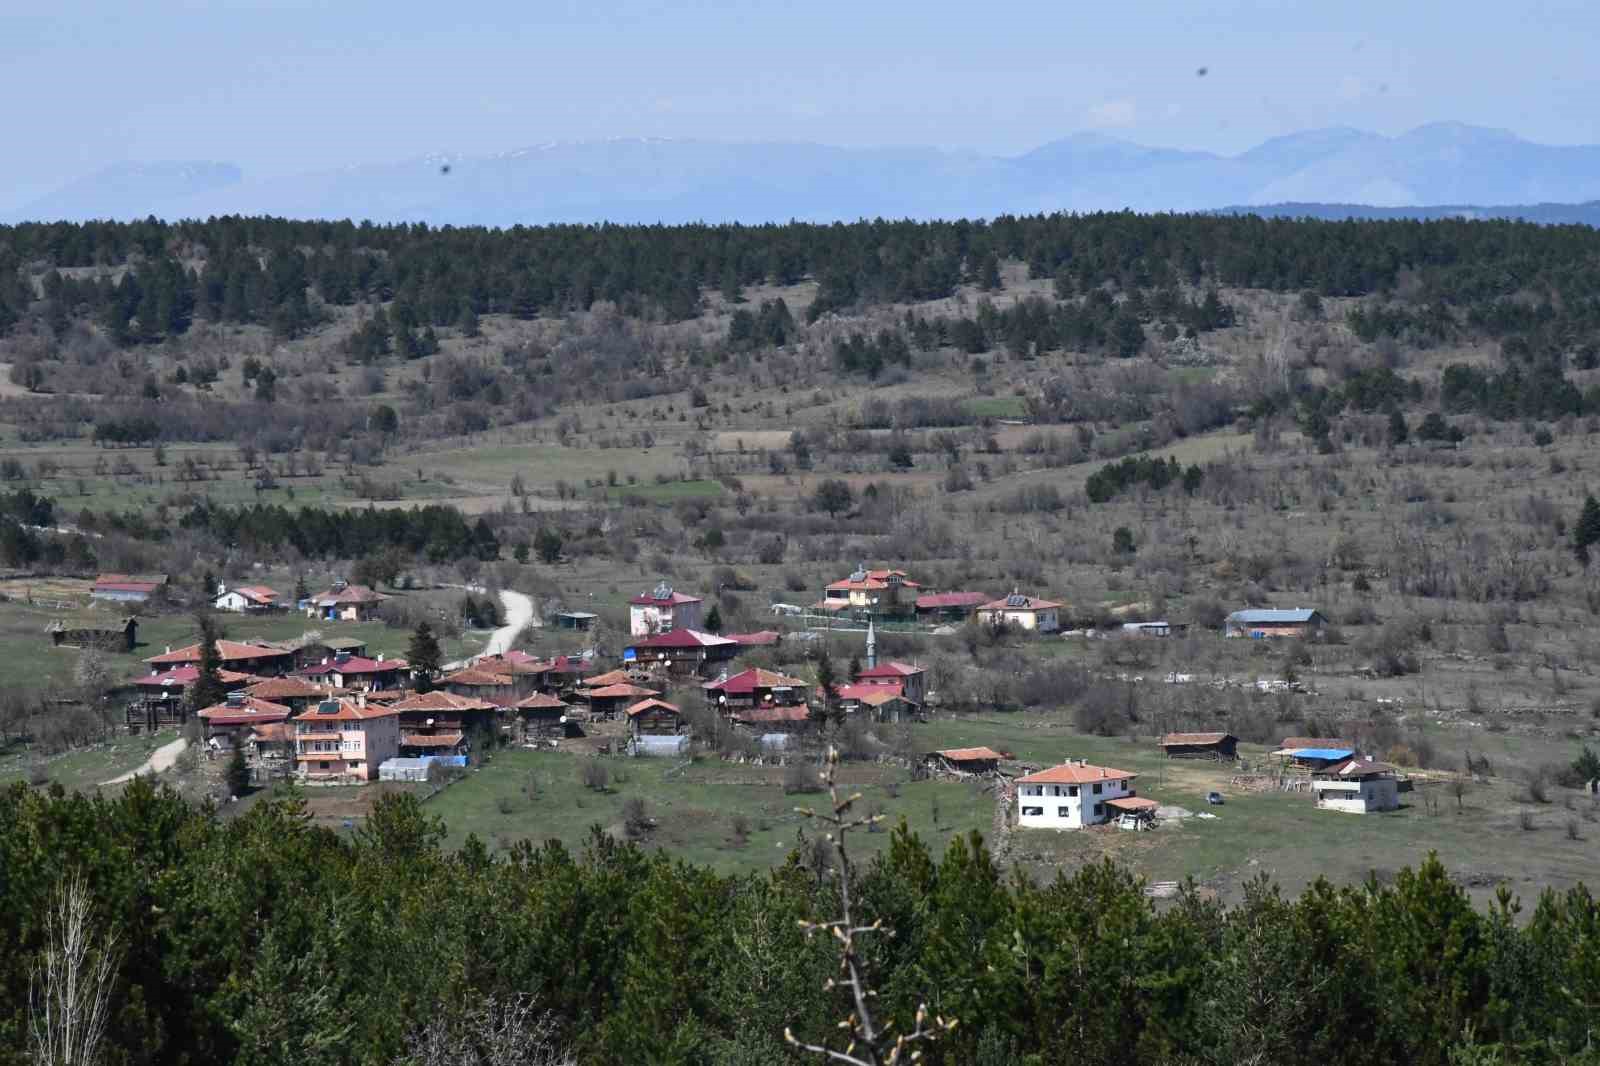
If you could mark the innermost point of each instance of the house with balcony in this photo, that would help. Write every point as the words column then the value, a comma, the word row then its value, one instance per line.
column 1075, row 795
column 228, row 724
column 682, row 651
column 755, row 688
column 295, row 693
column 345, row 740
column 662, row 610
column 872, row 594
column 439, row 722
column 1356, row 786
column 247, row 657
column 358, row 673
column 908, row 680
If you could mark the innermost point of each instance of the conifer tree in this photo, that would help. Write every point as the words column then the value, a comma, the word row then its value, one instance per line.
column 423, row 656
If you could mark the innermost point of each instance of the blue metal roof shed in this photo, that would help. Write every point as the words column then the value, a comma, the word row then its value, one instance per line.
column 1329, row 754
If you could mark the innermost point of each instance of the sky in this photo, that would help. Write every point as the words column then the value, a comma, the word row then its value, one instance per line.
column 286, row 86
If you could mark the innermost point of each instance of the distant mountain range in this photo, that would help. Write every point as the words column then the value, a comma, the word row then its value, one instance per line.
column 1330, row 173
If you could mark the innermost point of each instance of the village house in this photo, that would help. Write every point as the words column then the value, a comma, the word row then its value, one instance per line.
column 94, row 630
column 608, row 701
column 909, row 681
column 296, row 693
column 964, row 761
column 881, row 702
column 761, row 638
column 872, row 593
column 1076, row 794
column 162, row 695
column 483, row 684
column 654, row 717
column 524, row 673
column 345, row 740
column 755, row 688
column 345, row 603
column 544, row 717
column 1017, row 611
column 259, row 658
column 439, row 723
column 271, row 746
column 774, row 719
column 1356, row 786
column 949, row 608
column 1151, row 629
column 357, row 673
column 247, row 599
column 682, row 651
column 1220, row 747
column 227, row 725
column 662, row 610
column 1261, row 623
column 128, row 588
column 318, row 648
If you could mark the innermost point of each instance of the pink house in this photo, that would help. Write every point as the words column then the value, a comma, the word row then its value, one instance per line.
column 661, row 611
column 345, row 740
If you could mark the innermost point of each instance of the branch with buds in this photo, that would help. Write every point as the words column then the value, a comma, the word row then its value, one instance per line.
column 867, row 1043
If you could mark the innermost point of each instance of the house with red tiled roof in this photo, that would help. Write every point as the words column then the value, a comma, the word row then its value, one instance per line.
column 246, row 599
column 755, row 688
column 761, row 638
column 661, row 610
column 544, row 716
column 964, row 760
column 128, row 588
column 229, row 723
column 771, row 718
column 878, row 593
column 439, row 722
column 949, row 608
column 654, row 717
column 607, row 701
column 261, row 658
column 1076, row 794
column 345, row 740
column 1018, row 611
column 359, row 673
column 345, row 603
column 911, row 681
column 293, row 692
column 681, row 651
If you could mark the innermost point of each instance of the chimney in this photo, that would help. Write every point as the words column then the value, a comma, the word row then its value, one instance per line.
column 361, row 699
column 380, row 656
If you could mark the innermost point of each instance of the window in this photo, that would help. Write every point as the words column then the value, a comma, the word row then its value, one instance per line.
column 1072, row 790
column 1032, row 812
column 1097, row 790
column 1099, row 809
column 1063, row 812
column 1033, row 790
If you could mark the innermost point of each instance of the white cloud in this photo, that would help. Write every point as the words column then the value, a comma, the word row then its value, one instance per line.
column 1112, row 113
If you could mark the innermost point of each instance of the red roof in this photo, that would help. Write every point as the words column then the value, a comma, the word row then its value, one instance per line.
column 357, row 664
column 673, row 599
column 540, row 701
column 437, row 740
column 1132, row 803
column 760, row 638
column 1016, row 602
column 440, row 701
column 271, row 732
column 1075, row 774
column 621, row 692
column 256, row 593
column 861, row 693
column 473, row 675
column 970, row 754
column 797, row 712
column 610, row 677
column 182, row 676
column 348, row 711
column 285, row 688
column 746, row 682
column 245, row 713
column 683, row 638
column 890, row 670
column 650, row 705
column 227, row 651
column 935, row 601
column 146, row 587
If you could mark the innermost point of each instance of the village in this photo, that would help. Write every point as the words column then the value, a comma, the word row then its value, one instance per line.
column 323, row 711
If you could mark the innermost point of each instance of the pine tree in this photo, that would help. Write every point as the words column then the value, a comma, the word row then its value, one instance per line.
column 1399, row 433
column 208, row 688
column 424, row 656
column 826, row 681
column 238, row 773
column 713, row 620
column 854, row 668
column 1587, row 533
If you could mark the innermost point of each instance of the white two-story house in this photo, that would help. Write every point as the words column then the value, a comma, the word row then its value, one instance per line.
column 1075, row 794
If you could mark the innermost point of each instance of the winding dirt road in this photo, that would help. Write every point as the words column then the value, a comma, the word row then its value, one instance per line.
column 160, row 759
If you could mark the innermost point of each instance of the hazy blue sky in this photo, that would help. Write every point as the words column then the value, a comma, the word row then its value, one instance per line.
column 280, row 86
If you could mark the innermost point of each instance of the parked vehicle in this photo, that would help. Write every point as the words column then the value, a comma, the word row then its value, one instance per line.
column 1214, row 798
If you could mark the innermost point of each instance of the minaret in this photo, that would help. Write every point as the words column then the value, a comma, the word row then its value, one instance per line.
column 872, row 646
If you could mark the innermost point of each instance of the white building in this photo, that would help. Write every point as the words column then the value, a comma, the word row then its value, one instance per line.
column 1017, row 611
column 1356, row 786
column 246, row 598
column 1074, row 795
column 661, row 611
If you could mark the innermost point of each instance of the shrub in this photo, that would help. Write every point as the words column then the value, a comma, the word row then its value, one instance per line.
column 594, row 776
column 504, row 805
column 38, row 773
column 635, row 818
column 801, row 777
column 1525, row 820
column 1538, row 787
column 741, row 830
column 1573, row 830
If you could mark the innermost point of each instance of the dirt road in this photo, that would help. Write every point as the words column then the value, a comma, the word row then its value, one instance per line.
column 160, row 759
column 519, row 616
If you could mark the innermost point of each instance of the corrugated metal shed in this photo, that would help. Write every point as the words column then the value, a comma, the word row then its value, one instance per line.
column 1272, row 616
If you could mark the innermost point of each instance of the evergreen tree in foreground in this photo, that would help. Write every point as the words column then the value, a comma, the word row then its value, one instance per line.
column 208, row 688
column 423, row 655
column 1587, row 532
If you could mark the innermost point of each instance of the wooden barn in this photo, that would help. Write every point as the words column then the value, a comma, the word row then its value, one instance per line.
column 1220, row 747
column 94, row 631
column 655, row 717
column 963, row 761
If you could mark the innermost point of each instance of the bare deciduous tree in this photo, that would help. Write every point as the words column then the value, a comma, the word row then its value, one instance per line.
column 492, row 1032
column 867, row 1043
column 69, row 988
